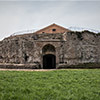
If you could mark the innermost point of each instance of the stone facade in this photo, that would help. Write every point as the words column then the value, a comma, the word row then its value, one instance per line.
column 63, row 47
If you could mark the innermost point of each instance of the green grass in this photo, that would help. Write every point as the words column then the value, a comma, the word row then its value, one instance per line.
column 81, row 84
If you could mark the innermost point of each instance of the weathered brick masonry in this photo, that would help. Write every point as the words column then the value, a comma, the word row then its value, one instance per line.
column 51, row 47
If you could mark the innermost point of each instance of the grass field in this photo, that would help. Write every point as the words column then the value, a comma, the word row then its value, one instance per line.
column 70, row 84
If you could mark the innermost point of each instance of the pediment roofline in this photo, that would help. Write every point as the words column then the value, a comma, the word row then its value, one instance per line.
column 52, row 25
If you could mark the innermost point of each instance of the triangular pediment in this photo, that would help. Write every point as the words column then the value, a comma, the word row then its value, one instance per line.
column 53, row 28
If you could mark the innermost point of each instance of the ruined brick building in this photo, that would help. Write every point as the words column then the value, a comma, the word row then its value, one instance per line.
column 51, row 47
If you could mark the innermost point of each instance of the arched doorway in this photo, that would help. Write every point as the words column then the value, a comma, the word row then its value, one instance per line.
column 49, row 61
column 49, row 58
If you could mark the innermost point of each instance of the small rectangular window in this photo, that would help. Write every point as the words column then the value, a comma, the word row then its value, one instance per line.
column 53, row 29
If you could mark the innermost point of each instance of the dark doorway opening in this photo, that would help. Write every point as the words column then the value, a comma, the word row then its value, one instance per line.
column 49, row 61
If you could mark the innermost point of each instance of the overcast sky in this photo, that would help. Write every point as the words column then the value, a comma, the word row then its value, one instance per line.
column 26, row 15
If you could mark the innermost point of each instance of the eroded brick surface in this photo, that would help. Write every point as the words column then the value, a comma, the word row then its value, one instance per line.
column 71, row 48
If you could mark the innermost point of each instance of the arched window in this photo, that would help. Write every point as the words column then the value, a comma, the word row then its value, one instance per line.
column 48, row 48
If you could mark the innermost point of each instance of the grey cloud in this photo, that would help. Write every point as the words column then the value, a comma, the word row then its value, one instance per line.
column 17, row 16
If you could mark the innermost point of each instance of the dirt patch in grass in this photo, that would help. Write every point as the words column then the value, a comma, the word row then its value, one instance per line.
column 27, row 69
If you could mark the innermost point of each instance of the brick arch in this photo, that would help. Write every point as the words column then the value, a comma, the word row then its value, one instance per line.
column 48, row 57
column 48, row 49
